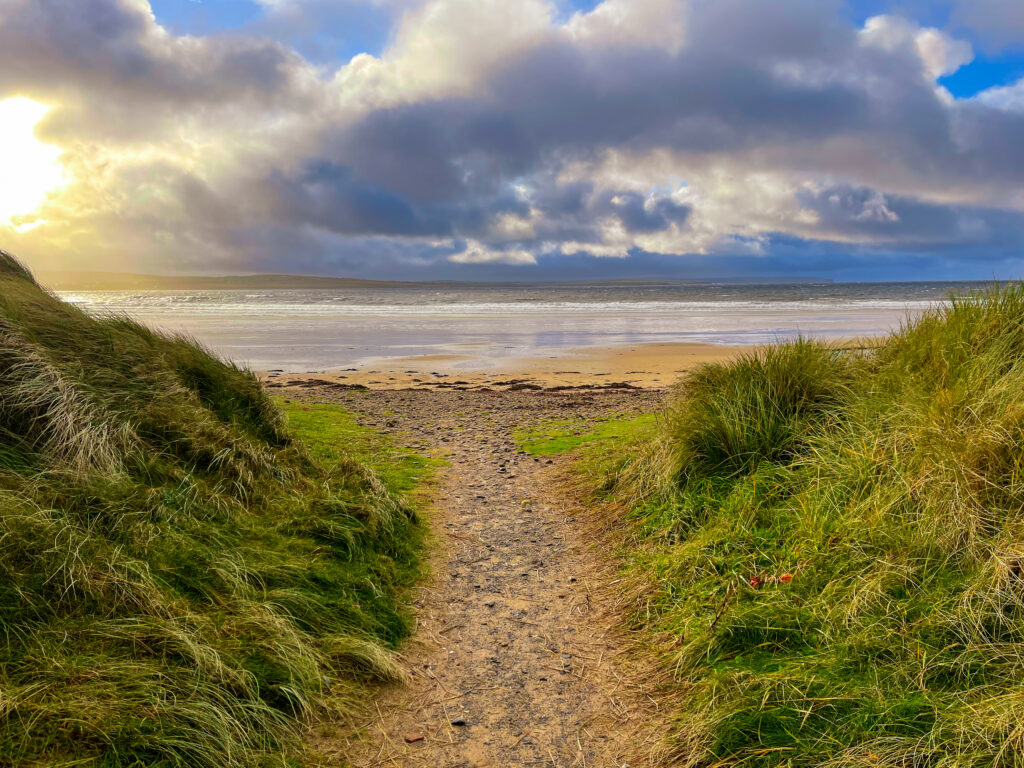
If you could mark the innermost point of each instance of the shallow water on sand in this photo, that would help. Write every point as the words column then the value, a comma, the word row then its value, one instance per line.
column 305, row 330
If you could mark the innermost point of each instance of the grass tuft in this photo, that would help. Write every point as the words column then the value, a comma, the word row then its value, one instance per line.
column 725, row 419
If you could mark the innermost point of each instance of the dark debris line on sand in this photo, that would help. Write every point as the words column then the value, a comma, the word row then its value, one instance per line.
column 515, row 662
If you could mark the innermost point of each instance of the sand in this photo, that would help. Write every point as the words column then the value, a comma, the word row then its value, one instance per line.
column 520, row 655
column 644, row 365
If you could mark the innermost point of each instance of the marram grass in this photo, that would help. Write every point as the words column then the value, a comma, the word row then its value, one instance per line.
column 181, row 582
column 835, row 547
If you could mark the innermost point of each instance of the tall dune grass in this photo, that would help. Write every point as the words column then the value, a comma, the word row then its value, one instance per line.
column 180, row 583
column 835, row 544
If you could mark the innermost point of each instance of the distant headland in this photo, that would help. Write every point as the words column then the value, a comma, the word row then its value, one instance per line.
column 60, row 280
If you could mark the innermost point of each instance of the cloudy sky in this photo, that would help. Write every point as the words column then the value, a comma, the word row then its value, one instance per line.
column 515, row 139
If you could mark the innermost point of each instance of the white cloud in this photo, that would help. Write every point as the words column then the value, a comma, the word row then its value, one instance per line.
column 1007, row 97
column 478, row 253
column 442, row 48
column 631, row 22
column 940, row 53
column 598, row 250
column 876, row 208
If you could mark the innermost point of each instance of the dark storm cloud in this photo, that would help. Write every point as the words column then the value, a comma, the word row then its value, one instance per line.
column 896, row 221
column 565, row 102
column 636, row 215
column 329, row 196
column 731, row 90
column 755, row 76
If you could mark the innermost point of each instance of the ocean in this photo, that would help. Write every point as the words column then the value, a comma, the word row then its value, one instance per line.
column 314, row 330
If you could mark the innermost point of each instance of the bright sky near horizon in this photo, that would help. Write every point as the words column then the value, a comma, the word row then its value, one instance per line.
column 34, row 165
column 515, row 139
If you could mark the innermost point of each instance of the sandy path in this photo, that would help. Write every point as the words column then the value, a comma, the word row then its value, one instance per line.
column 518, row 659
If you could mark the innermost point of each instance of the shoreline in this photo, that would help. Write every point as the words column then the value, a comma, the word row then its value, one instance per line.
column 643, row 366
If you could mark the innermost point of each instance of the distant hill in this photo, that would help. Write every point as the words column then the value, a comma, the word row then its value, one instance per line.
column 123, row 281
column 126, row 281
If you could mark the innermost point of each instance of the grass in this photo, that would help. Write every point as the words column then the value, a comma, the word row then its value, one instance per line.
column 187, row 573
column 832, row 545
column 557, row 436
column 323, row 427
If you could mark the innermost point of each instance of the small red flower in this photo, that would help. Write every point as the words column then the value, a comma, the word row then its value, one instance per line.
column 786, row 578
column 755, row 582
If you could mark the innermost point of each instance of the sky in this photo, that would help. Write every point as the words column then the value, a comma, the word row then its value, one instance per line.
column 515, row 139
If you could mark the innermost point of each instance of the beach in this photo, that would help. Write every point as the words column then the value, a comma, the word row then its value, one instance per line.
column 544, row 384
column 530, row 549
column 642, row 366
column 556, row 332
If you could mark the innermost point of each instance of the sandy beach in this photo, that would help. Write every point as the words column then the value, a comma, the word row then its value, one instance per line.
column 500, row 329
column 643, row 366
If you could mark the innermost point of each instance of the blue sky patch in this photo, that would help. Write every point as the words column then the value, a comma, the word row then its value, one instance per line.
column 200, row 17
column 983, row 73
column 326, row 32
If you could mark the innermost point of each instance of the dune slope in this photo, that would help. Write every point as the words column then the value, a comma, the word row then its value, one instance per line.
column 833, row 548
column 180, row 582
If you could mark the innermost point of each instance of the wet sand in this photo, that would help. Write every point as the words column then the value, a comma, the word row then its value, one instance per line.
column 645, row 366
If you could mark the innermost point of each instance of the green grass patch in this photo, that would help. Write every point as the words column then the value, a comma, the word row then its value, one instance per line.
column 187, row 574
column 558, row 436
column 324, row 427
column 832, row 543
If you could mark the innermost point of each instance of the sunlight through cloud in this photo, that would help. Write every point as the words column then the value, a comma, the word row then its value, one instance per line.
column 30, row 169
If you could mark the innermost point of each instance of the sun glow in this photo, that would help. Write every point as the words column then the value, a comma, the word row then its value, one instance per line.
column 29, row 169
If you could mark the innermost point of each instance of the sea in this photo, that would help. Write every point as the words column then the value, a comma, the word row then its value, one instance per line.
column 327, row 329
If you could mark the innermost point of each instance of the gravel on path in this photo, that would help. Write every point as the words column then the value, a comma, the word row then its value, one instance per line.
column 519, row 656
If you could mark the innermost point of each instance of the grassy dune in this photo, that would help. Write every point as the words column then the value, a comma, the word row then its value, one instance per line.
column 182, row 580
column 835, row 548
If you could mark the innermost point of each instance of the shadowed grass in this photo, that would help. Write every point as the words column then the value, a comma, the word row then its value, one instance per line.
column 182, row 580
column 833, row 546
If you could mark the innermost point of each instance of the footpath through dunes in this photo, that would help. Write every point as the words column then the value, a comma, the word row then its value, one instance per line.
column 518, row 656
